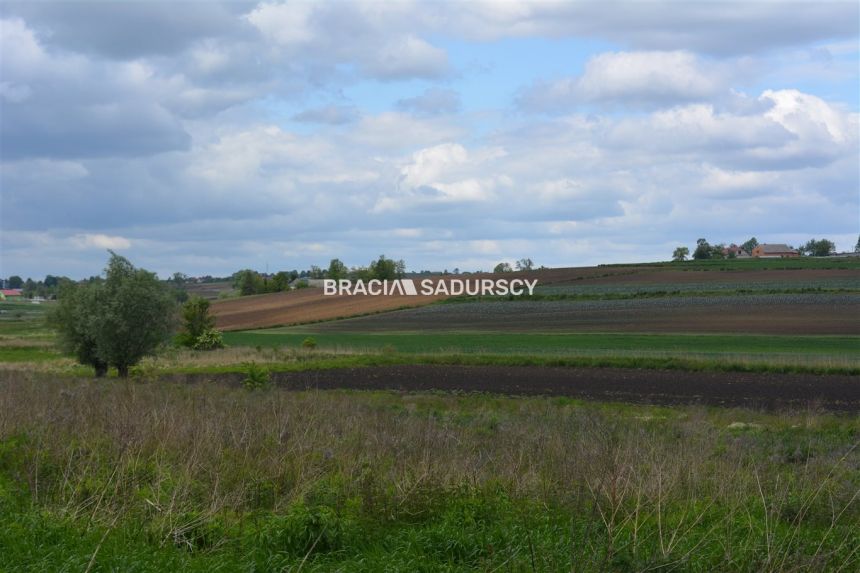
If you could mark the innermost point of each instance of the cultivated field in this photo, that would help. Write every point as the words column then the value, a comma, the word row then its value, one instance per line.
column 753, row 314
column 726, row 278
column 303, row 306
column 625, row 418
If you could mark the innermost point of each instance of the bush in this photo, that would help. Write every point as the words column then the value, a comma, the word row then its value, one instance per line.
column 256, row 377
column 309, row 342
column 209, row 339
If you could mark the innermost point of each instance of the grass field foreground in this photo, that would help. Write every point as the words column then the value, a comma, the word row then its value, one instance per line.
column 158, row 476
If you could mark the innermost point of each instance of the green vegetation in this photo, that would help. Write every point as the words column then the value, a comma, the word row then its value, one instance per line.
column 751, row 264
column 624, row 292
column 212, row 478
column 718, row 352
column 198, row 326
column 554, row 344
column 117, row 321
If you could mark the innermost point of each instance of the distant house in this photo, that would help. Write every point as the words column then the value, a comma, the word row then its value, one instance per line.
column 774, row 251
column 11, row 294
column 734, row 251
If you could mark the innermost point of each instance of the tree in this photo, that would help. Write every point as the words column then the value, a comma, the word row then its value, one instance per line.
column 525, row 264
column 384, row 269
column 15, row 281
column 718, row 251
column 680, row 254
column 703, row 250
column 337, row 270
column 248, row 282
column 502, row 268
column 857, row 246
column 198, row 326
column 820, row 248
column 179, row 279
column 137, row 315
column 750, row 245
column 281, row 281
column 116, row 321
column 195, row 320
column 75, row 318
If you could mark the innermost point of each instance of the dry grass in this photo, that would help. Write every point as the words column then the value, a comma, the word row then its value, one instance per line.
column 654, row 486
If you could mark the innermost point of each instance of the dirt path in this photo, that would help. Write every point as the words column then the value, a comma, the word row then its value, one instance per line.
column 667, row 387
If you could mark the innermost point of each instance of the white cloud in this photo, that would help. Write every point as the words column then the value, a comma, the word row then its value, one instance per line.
column 100, row 241
column 635, row 79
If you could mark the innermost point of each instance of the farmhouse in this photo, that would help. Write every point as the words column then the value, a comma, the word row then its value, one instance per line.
column 774, row 251
column 10, row 294
column 734, row 251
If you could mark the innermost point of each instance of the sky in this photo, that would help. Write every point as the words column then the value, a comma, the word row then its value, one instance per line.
column 208, row 137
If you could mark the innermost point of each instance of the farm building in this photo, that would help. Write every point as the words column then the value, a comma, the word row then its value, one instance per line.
column 774, row 251
column 734, row 251
column 11, row 294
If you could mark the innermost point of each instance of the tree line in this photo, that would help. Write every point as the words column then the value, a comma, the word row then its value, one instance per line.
column 248, row 282
column 704, row 250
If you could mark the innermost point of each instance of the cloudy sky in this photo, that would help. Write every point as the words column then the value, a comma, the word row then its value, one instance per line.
column 209, row 137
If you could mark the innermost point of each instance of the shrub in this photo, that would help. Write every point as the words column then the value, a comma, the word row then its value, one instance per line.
column 309, row 342
column 209, row 339
column 256, row 377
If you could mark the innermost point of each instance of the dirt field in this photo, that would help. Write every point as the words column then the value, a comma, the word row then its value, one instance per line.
column 750, row 314
column 668, row 387
column 302, row 306
column 310, row 305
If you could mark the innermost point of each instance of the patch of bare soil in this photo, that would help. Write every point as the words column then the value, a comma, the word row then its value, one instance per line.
column 770, row 391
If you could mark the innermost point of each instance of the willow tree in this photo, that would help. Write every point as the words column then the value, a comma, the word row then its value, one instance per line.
column 118, row 320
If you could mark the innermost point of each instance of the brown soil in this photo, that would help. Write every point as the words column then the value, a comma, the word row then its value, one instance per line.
column 724, row 315
column 667, row 387
column 310, row 305
column 303, row 306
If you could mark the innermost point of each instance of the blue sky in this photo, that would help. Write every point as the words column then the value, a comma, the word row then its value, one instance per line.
column 205, row 137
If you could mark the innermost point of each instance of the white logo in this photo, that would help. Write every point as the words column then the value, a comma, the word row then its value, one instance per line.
column 429, row 287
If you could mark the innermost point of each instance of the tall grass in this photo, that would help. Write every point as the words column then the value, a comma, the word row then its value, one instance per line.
column 154, row 476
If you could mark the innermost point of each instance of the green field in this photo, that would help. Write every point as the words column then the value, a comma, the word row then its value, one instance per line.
column 555, row 344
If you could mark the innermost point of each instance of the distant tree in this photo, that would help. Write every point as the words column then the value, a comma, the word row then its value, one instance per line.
column 718, row 251
column 117, row 321
column 400, row 268
column 51, row 281
column 198, row 326
column 15, row 281
column 316, row 272
column 248, row 282
column 384, row 269
column 525, row 265
column 857, row 246
column 680, row 254
column 281, row 281
column 195, row 320
column 748, row 246
column 502, row 268
column 820, row 248
column 179, row 279
column 337, row 270
column 456, row 270
column 703, row 250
